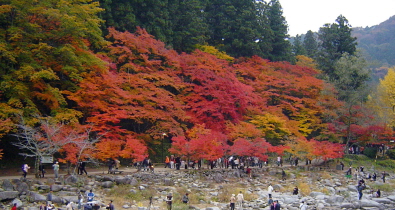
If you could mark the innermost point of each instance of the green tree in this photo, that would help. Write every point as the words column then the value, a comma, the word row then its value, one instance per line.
column 190, row 25
column 232, row 26
column 310, row 44
column 281, row 47
column 265, row 33
column 349, row 77
column 335, row 40
column 46, row 48
column 297, row 47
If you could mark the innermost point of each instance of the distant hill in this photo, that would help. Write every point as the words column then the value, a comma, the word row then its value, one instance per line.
column 378, row 42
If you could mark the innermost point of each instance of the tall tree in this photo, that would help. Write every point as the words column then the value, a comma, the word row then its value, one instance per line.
column 233, row 26
column 336, row 39
column 310, row 45
column 297, row 46
column 47, row 49
column 281, row 47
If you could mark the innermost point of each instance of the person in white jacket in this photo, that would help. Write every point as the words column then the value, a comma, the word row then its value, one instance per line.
column 303, row 206
column 270, row 190
column 240, row 199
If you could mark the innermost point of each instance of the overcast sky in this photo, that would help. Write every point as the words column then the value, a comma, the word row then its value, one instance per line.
column 304, row 15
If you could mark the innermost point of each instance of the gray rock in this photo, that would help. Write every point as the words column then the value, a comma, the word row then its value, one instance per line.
column 32, row 208
column 335, row 200
column 352, row 188
column 107, row 184
column 7, row 185
column 71, row 180
column 56, row 188
column 383, row 200
column 291, row 199
column 347, row 206
column 315, row 194
column 37, row 197
column 125, row 206
column 22, row 187
column 168, row 182
column 370, row 203
column 108, row 178
column 68, row 199
column 122, row 180
column 391, row 197
column 278, row 187
column 213, row 208
column 43, row 187
column 18, row 202
column 218, row 178
column 56, row 199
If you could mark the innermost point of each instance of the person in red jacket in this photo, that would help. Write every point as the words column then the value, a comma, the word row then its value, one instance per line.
column 14, row 207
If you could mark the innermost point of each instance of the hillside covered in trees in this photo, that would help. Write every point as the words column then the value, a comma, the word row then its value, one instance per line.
column 105, row 79
column 378, row 41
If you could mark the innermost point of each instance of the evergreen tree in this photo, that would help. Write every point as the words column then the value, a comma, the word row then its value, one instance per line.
column 265, row 34
column 190, row 25
column 335, row 40
column 310, row 44
column 297, row 47
column 281, row 47
column 232, row 26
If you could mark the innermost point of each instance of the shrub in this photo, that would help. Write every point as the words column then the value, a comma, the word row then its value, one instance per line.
column 370, row 152
column 391, row 153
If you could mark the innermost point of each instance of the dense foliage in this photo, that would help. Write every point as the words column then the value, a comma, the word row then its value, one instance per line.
column 118, row 94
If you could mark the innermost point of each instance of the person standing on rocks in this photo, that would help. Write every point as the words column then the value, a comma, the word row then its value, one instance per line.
column 240, row 200
column 270, row 190
column 14, row 207
column 374, row 176
column 360, row 187
column 283, row 175
column 80, row 199
column 169, row 200
column 56, row 169
column 232, row 202
column 277, row 205
column 383, row 176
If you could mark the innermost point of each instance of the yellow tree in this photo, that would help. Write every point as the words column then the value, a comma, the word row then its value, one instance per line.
column 301, row 148
column 384, row 101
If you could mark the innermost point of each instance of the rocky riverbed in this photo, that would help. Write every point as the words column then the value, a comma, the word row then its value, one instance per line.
column 208, row 189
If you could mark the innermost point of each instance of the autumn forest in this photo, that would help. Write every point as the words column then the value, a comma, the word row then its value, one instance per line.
column 128, row 79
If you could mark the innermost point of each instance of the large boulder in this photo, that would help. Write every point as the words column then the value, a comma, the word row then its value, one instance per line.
column 69, row 199
column 122, row 180
column 43, row 187
column 8, row 195
column 18, row 202
column 37, row 197
column 369, row 203
column 22, row 188
column 107, row 184
column 168, row 182
column 73, row 179
column 57, row 199
column 7, row 185
column 56, row 188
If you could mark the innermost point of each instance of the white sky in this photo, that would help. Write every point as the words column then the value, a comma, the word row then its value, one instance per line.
column 304, row 15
